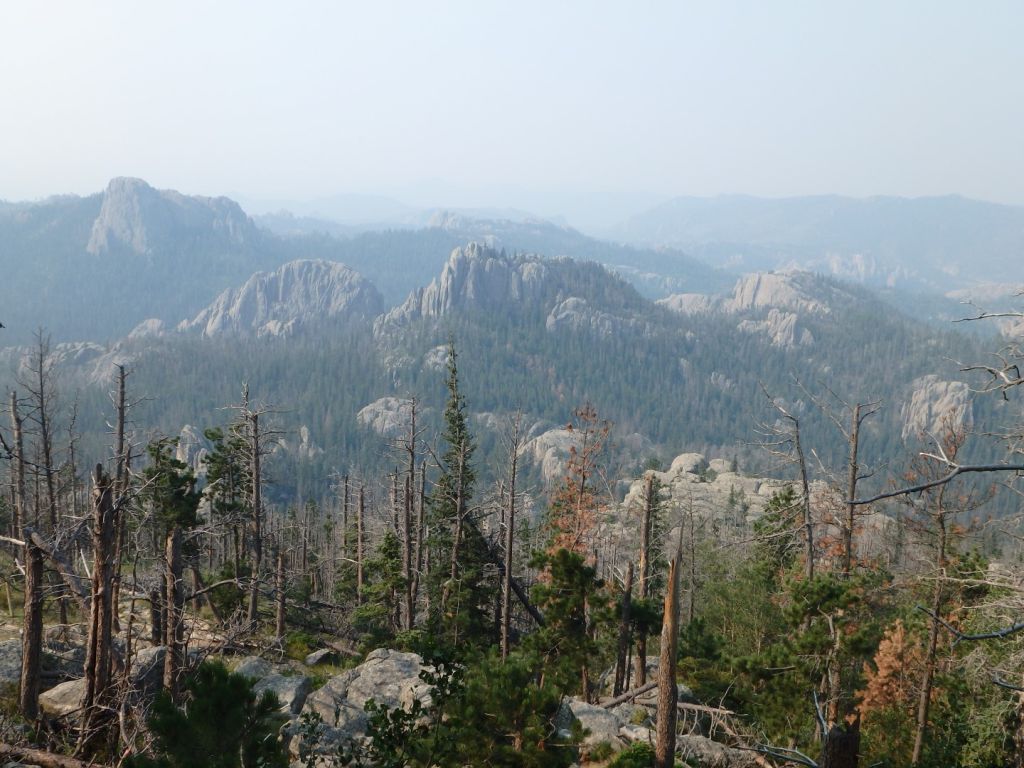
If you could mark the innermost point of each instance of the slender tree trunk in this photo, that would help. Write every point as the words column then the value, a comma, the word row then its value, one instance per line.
column 510, row 532
column 668, row 693
column 32, row 633
column 806, row 491
column 851, row 491
column 172, row 611
column 640, row 660
column 18, row 467
column 623, row 647
column 407, row 523
column 98, row 647
column 421, row 528
column 360, row 517
column 256, row 520
column 928, row 675
column 279, row 618
column 156, row 612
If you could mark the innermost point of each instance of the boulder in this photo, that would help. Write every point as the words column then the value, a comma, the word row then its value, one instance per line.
column 633, row 733
column 10, row 662
column 147, row 672
column 599, row 724
column 64, row 700
column 290, row 691
column 704, row 752
column 327, row 743
column 254, row 667
column 323, row 656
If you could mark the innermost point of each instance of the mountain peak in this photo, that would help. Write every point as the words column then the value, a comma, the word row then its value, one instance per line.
column 140, row 219
column 302, row 292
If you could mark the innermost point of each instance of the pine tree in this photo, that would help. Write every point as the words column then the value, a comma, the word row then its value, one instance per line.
column 462, row 581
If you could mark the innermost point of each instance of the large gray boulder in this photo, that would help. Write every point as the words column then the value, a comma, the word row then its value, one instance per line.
column 64, row 700
column 254, row 668
column 10, row 663
column 702, row 751
column 290, row 691
column 322, row 656
column 600, row 725
column 390, row 678
column 147, row 672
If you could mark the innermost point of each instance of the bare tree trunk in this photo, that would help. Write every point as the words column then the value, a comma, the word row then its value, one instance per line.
column 32, row 634
column 510, row 532
column 18, row 467
column 256, row 520
column 842, row 747
column 421, row 528
column 806, row 491
column 640, row 660
column 851, row 491
column 928, row 674
column 156, row 611
column 172, row 612
column 407, row 525
column 623, row 647
column 279, row 618
column 668, row 693
column 360, row 518
column 98, row 648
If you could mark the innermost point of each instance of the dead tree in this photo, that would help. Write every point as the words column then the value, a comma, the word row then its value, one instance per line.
column 643, row 586
column 668, row 692
column 360, row 543
column 621, row 656
column 17, row 467
column 101, row 607
column 780, row 438
column 173, row 602
column 280, row 595
column 32, row 633
column 510, row 528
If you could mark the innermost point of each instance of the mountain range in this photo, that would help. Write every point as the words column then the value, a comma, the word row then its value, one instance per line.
column 198, row 299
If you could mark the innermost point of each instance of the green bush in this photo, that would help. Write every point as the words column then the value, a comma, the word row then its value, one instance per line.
column 220, row 725
column 639, row 754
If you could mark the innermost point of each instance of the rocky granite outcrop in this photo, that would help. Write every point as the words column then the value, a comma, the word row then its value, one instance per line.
column 138, row 218
column 479, row 278
column 279, row 303
column 935, row 404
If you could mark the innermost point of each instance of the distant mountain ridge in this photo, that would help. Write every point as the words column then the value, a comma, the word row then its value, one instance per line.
column 94, row 267
column 940, row 243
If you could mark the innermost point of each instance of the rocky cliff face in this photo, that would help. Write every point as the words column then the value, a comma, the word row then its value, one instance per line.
column 301, row 293
column 137, row 218
column 575, row 294
column 934, row 406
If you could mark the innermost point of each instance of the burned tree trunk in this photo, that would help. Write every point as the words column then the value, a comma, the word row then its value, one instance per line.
column 101, row 609
column 32, row 636
column 17, row 467
column 360, row 519
column 256, row 518
column 623, row 646
column 640, row 660
column 510, row 532
column 172, row 611
column 668, row 693
column 279, row 590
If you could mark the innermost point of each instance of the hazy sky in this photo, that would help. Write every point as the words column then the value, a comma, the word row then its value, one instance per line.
column 585, row 108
